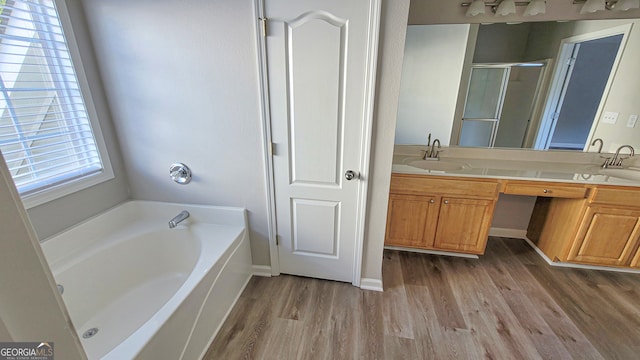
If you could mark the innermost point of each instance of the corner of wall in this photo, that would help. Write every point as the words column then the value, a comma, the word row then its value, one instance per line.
column 393, row 28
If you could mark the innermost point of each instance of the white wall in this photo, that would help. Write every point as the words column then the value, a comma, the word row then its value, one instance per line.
column 57, row 215
column 393, row 26
column 501, row 43
column 433, row 61
column 30, row 308
column 182, row 82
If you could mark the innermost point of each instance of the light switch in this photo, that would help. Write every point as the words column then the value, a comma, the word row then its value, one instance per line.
column 609, row 117
column 632, row 121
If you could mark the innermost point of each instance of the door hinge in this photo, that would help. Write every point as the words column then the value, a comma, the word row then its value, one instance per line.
column 270, row 149
column 263, row 22
column 571, row 61
column 277, row 240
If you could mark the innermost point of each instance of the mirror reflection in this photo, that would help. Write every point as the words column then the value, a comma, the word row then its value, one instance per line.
column 545, row 86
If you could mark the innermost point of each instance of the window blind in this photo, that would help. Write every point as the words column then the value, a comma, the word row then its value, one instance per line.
column 45, row 132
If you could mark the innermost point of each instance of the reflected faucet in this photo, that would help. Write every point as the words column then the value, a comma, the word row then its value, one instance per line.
column 178, row 219
column 598, row 140
column 432, row 154
column 615, row 161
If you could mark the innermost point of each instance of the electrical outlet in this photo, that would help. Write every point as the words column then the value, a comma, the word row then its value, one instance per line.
column 632, row 121
column 609, row 117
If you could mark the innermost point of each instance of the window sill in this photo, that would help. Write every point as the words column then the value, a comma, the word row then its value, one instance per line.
column 67, row 188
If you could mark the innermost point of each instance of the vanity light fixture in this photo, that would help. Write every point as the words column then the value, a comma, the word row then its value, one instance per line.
column 506, row 7
column 535, row 7
column 475, row 8
column 624, row 5
column 591, row 6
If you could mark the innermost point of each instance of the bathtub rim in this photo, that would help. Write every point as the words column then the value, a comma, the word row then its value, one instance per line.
column 238, row 217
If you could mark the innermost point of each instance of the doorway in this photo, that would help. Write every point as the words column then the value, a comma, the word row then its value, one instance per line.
column 583, row 72
column 319, row 67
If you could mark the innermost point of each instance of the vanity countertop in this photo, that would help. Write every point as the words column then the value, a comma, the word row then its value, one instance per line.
column 515, row 165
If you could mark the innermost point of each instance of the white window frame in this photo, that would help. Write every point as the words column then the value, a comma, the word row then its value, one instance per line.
column 65, row 188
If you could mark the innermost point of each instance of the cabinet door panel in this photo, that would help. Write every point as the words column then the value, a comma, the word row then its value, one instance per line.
column 635, row 262
column 411, row 220
column 607, row 236
column 463, row 225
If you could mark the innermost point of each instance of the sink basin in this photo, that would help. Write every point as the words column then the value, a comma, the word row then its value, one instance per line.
column 621, row 173
column 437, row 165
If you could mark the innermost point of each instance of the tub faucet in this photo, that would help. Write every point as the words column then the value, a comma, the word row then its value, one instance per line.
column 178, row 219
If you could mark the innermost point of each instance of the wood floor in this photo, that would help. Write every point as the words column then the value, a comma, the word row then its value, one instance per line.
column 509, row 304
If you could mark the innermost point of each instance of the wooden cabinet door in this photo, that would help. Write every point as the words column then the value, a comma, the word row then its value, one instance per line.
column 412, row 220
column 635, row 262
column 463, row 225
column 607, row 236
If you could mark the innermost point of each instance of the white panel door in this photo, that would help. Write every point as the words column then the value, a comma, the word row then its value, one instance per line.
column 317, row 62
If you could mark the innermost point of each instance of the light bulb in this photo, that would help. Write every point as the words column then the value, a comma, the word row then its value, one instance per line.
column 592, row 6
column 476, row 8
column 506, row 7
column 535, row 7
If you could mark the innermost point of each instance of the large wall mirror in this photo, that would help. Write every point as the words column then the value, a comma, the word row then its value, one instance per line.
column 543, row 85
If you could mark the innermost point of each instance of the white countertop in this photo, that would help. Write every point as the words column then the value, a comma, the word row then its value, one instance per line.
column 514, row 164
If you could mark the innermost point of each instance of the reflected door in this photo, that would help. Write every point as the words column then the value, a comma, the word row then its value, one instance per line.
column 483, row 106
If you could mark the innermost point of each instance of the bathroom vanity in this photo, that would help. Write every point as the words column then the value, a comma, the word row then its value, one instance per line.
column 583, row 214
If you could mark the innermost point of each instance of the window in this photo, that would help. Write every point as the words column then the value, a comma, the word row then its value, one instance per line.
column 47, row 137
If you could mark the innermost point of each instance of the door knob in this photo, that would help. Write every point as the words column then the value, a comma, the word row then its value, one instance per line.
column 350, row 175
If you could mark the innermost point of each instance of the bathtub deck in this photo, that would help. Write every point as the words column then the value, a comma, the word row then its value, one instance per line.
column 508, row 304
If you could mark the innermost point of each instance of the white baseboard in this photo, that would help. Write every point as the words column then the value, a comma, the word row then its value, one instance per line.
column 433, row 252
column 261, row 270
column 577, row 266
column 371, row 284
column 511, row 233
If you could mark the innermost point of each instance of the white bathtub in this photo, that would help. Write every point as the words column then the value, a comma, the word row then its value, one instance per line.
column 152, row 292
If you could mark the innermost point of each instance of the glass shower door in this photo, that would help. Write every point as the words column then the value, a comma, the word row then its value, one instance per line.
column 483, row 106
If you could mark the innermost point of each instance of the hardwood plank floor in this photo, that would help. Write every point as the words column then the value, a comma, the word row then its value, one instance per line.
column 509, row 304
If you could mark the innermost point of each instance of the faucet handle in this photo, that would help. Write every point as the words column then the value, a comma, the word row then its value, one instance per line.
column 619, row 162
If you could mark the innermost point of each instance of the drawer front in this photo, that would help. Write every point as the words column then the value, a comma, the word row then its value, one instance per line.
column 548, row 190
column 420, row 185
column 623, row 197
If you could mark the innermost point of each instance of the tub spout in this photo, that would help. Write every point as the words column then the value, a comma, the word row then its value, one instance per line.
column 178, row 219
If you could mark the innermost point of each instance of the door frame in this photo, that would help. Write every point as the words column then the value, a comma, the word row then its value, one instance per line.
column 555, row 91
column 367, row 132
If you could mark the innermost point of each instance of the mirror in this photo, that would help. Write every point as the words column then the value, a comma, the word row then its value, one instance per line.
column 546, row 85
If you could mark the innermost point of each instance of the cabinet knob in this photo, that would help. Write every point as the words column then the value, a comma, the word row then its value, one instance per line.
column 446, row 201
column 545, row 191
column 432, row 201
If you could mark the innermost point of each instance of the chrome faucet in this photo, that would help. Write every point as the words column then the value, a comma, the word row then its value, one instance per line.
column 616, row 161
column 598, row 140
column 432, row 154
column 178, row 219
